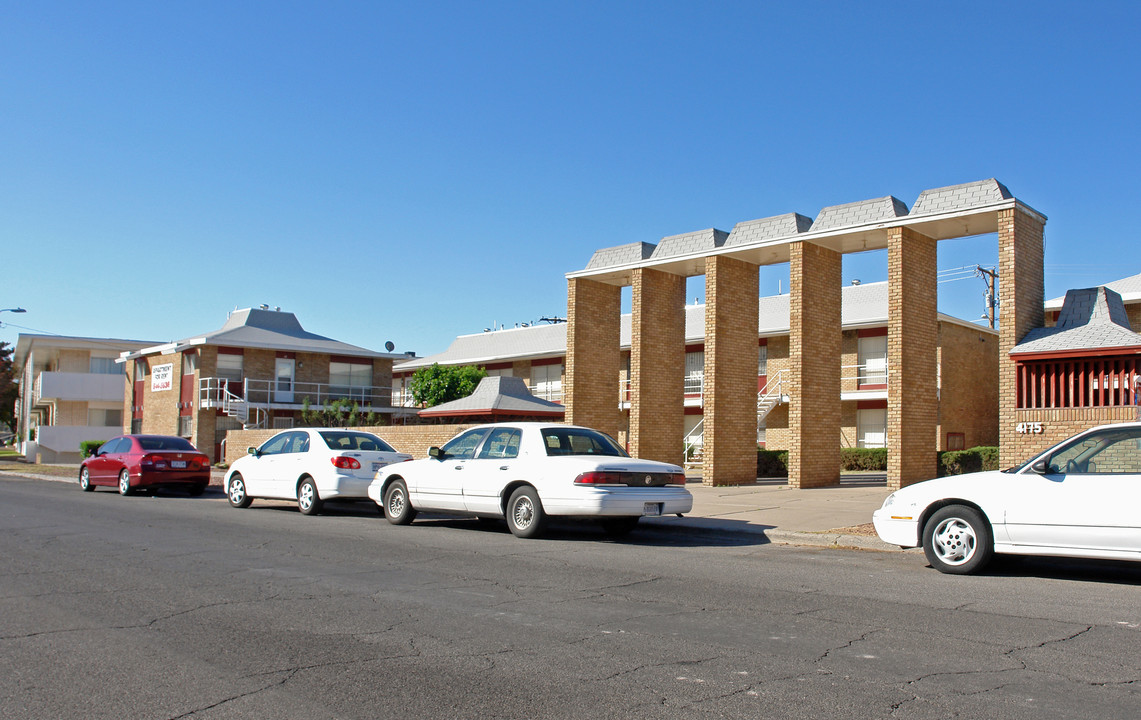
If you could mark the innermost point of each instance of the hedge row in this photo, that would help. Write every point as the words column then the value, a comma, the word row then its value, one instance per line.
column 774, row 463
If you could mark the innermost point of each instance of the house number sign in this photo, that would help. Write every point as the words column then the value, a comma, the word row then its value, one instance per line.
column 1029, row 428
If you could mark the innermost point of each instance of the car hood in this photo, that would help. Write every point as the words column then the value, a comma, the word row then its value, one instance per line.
column 966, row 487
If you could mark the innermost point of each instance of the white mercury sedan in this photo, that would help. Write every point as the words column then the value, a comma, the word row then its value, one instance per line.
column 527, row 472
column 1080, row 498
column 310, row 466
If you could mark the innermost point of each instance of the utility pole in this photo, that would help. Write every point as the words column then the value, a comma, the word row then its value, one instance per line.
column 990, row 277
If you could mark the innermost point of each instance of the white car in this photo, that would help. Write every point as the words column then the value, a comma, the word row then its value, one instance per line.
column 527, row 472
column 310, row 466
column 1080, row 498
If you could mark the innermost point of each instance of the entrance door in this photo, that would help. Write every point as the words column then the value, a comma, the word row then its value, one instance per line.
column 283, row 380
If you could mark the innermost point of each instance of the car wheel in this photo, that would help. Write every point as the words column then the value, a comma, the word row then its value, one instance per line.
column 85, row 480
column 236, row 492
column 196, row 490
column 525, row 516
column 619, row 526
column 396, row 506
column 308, row 501
column 957, row 540
column 124, row 482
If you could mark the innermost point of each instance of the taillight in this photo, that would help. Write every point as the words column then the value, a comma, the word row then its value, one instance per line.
column 677, row 479
column 158, row 462
column 598, row 478
column 345, row 463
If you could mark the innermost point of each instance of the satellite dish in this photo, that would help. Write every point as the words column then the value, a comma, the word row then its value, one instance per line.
column 389, row 346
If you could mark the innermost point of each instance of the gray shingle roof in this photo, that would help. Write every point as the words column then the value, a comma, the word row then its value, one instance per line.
column 501, row 345
column 1128, row 288
column 1091, row 319
column 960, row 197
column 621, row 255
column 687, row 243
column 275, row 330
column 770, row 228
column 498, row 395
column 859, row 213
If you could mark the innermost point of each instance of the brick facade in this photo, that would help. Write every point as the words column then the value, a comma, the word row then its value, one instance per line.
column 968, row 382
column 814, row 351
column 730, row 426
column 412, row 439
column 1021, row 291
column 913, row 404
column 593, row 339
column 657, row 366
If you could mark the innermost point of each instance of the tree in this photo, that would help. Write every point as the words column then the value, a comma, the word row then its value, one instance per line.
column 9, row 391
column 443, row 383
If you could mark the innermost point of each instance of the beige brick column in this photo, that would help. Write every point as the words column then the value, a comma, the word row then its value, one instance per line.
column 1021, row 294
column 590, row 390
column 814, row 373
column 657, row 366
column 729, row 429
column 912, row 341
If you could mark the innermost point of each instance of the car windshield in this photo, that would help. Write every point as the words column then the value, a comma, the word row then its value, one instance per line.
column 158, row 442
column 355, row 441
column 580, row 441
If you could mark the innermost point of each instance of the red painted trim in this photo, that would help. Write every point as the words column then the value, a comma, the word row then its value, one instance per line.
column 698, row 347
column 871, row 332
column 285, row 355
column 350, row 360
column 762, row 341
column 547, row 361
column 873, row 386
column 694, row 411
column 231, row 351
column 871, row 404
column 1086, row 353
column 492, row 413
column 497, row 366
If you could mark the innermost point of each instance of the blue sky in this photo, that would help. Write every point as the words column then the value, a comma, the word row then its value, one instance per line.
column 415, row 171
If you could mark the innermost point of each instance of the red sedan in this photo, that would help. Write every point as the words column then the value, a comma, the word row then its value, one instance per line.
column 136, row 462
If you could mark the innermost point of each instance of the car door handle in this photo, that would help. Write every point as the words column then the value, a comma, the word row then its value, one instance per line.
column 458, row 467
column 504, row 467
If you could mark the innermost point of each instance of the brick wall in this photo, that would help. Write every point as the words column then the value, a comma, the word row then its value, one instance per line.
column 1057, row 425
column 412, row 439
column 593, row 326
column 74, row 361
column 968, row 361
column 657, row 365
column 160, row 408
column 1021, row 291
column 814, row 351
column 913, row 405
column 729, row 443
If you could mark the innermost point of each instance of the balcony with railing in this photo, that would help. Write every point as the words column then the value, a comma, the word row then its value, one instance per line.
column 79, row 387
column 249, row 399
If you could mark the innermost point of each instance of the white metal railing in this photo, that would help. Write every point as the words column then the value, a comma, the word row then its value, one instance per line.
column 771, row 395
column 865, row 374
column 551, row 392
column 402, row 397
column 694, row 444
column 212, row 392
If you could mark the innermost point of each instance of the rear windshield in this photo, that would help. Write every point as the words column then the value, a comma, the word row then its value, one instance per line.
column 158, row 442
column 580, row 441
column 354, row 441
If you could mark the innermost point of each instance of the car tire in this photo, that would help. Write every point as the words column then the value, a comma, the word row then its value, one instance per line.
column 525, row 515
column 619, row 526
column 85, row 480
column 957, row 540
column 124, row 482
column 308, row 500
column 397, row 508
column 197, row 490
column 236, row 492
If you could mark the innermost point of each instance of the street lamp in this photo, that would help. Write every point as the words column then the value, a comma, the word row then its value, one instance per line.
column 15, row 310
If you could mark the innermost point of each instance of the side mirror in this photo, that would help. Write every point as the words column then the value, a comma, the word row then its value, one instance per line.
column 435, row 453
column 252, row 451
column 1041, row 467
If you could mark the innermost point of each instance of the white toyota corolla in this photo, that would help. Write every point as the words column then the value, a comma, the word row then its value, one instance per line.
column 1080, row 498
column 310, row 466
column 527, row 472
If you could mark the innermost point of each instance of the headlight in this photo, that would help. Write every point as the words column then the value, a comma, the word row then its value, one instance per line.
column 888, row 500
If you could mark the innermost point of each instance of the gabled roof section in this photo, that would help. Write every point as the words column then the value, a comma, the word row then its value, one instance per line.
column 621, row 255
column 1092, row 319
column 501, row 396
column 954, row 198
column 770, row 228
column 689, row 243
column 1128, row 288
column 268, row 330
column 499, row 346
column 863, row 212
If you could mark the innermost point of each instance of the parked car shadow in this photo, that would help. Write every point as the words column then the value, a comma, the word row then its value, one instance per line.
column 646, row 534
column 1118, row 572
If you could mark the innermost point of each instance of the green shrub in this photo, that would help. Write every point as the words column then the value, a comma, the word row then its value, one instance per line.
column 958, row 462
column 772, row 463
column 863, row 459
column 87, row 448
column 989, row 456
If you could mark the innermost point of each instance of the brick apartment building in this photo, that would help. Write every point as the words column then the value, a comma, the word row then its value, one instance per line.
column 71, row 390
column 965, row 383
column 257, row 371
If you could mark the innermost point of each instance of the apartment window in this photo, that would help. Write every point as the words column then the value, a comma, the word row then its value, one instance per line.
column 547, row 381
column 104, row 418
column 498, row 372
column 141, row 368
column 189, row 363
column 349, row 380
column 763, row 360
column 105, row 366
column 231, row 367
column 282, row 423
column 694, row 372
column 873, row 360
column 956, row 441
column 185, row 426
column 871, row 428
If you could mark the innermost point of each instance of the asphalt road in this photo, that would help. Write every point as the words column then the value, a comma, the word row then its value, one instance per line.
column 172, row 607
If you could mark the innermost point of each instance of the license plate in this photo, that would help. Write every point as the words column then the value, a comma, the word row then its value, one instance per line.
column 377, row 466
column 652, row 509
column 178, row 464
